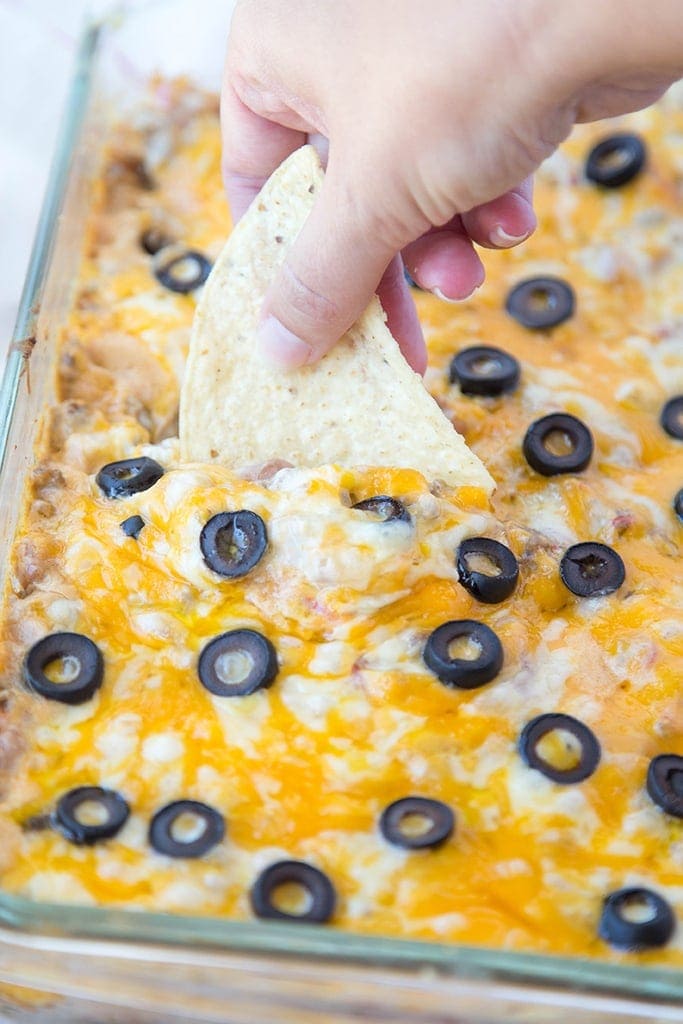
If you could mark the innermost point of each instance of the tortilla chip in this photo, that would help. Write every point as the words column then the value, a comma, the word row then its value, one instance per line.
column 361, row 405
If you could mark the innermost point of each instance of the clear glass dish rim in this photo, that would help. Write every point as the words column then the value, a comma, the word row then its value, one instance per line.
column 124, row 929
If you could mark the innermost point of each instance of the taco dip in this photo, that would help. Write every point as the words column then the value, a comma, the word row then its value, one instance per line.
column 358, row 696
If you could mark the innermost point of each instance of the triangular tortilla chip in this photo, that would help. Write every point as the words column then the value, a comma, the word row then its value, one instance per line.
column 361, row 405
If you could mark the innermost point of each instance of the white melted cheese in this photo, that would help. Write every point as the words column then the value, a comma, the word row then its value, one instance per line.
column 310, row 700
column 603, row 261
column 86, row 451
column 492, row 754
column 547, row 512
column 64, row 614
column 58, row 887
column 163, row 747
column 331, row 659
column 388, row 648
column 534, row 796
column 309, row 545
column 375, row 867
column 120, row 739
column 242, row 720
column 158, row 626
column 326, row 562
column 626, row 497
column 438, row 548
column 183, row 894
column 62, row 729
column 536, row 685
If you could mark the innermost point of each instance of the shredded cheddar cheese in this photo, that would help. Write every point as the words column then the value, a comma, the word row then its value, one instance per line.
column 355, row 719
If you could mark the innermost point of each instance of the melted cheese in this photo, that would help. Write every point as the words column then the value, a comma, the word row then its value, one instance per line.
column 354, row 719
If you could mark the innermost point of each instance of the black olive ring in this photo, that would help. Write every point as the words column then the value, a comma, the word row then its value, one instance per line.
column 484, row 370
column 671, row 418
column 541, row 302
column 81, row 650
column 232, row 543
column 677, row 504
column 591, row 569
column 129, row 476
column 665, row 783
column 544, row 461
column 318, row 886
column 169, row 264
column 439, row 815
column 490, row 589
column 161, row 829
column 67, row 822
column 153, row 239
column 389, row 510
column 132, row 526
column 256, row 649
column 534, row 731
column 619, row 931
column 465, row 673
column 616, row 160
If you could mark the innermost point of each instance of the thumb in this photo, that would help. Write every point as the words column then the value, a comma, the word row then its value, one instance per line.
column 328, row 278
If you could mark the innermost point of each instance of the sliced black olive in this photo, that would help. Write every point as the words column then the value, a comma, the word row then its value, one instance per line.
column 484, row 370
column 394, row 823
column 571, row 440
column 321, row 897
column 487, row 586
column 678, row 504
column 672, row 417
column 204, row 829
column 616, row 160
column 541, row 302
column 76, row 659
column 592, row 569
column 132, row 526
column 636, row 919
column 582, row 759
column 387, row 509
column 232, row 543
column 69, row 815
column 665, row 783
column 237, row 663
column 181, row 270
column 464, row 672
column 129, row 476
column 154, row 239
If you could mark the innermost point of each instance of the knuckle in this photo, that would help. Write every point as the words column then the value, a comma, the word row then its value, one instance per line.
column 529, row 144
column 379, row 209
column 301, row 306
column 234, row 166
column 392, row 219
column 393, row 283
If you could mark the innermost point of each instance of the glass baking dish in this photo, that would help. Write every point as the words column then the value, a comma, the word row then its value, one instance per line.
column 61, row 963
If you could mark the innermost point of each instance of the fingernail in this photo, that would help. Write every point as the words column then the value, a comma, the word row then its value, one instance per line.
column 502, row 240
column 277, row 344
column 440, row 295
column 461, row 298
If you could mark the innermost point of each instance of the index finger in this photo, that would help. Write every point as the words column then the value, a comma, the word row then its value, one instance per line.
column 253, row 147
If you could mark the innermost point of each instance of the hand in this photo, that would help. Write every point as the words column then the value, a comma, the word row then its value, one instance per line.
column 434, row 114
